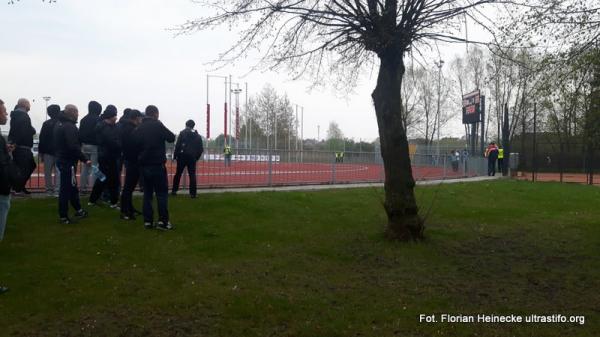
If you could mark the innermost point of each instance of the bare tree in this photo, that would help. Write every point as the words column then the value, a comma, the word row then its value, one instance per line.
column 339, row 37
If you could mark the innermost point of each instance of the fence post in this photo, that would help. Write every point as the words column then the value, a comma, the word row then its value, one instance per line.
column 445, row 166
column 270, row 168
column 333, row 167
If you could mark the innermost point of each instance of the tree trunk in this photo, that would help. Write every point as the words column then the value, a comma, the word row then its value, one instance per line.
column 404, row 222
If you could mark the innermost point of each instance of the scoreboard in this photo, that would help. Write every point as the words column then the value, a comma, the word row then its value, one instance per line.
column 473, row 104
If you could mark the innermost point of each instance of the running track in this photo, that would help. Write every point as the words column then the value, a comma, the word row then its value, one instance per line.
column 212, row 174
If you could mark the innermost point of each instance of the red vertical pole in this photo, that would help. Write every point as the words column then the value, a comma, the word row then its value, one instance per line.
column 225, row 122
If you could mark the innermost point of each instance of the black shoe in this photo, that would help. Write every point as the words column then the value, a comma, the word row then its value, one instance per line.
column 127, row 216
column 148, row 225
column 173, row 194
column 3, row 290
column 82, row 213
column 164, row 227
column 193, row 196
column 66, row 221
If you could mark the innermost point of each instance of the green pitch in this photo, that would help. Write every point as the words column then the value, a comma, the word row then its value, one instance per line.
column 308, row 264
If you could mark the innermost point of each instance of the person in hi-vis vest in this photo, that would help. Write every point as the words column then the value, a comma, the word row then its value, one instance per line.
column 501, row 159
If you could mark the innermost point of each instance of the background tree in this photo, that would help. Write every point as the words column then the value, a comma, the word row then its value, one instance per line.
column 335, row 137
column 270, row 120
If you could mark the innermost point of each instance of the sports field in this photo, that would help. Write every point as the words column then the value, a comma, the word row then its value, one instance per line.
column 309, row 264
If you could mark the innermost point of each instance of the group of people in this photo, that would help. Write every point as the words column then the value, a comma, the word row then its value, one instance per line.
column 494, row 153
column 105, row 145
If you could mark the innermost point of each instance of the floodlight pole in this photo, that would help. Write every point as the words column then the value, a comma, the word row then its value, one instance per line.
column 47, row 99
column 208, row 76
column 237, row 92
column 439, row 65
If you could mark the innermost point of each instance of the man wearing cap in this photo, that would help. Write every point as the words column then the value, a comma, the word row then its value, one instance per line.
column 68, row 151
column 188, row 149
column 46, row 149
column 109, row 152
column 132, row 172
column 21, row 136
column 87, row 134
column 150, row 138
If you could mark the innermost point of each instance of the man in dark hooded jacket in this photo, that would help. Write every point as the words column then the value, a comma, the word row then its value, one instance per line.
column 109, row 152
column 21, row 136
column 68, row 151
column 188, row 150
column 88, row 140
column 130, row 159
column 46, row 149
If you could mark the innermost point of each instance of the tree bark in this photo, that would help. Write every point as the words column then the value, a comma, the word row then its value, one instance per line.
column 404, row 222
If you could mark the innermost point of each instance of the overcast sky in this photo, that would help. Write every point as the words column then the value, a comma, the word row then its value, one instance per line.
column 122, row 53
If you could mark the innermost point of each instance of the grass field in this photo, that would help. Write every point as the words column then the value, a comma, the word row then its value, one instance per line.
column 308, row 264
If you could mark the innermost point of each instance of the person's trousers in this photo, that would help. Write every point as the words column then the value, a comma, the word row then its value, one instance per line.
column 108, row 166
column 132, row 176
column 23, row 158
column 491, row 167
column 68, row 188
column 501, row 165
column 184, row 162
column 4, row 208
column 91, row 151
column 50, row 180
column 155, row 181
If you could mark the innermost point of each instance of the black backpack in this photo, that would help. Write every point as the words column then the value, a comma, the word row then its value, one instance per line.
column 192, row 146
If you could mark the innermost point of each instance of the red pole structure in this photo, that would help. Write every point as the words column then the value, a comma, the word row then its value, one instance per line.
column 225, row 122
column 207, row 121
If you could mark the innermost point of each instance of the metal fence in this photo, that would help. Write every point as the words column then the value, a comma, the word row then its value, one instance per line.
column 553, row 161
column 257, row 168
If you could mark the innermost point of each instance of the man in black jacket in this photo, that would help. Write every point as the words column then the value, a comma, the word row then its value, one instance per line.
column 150, row 138
column 88, row 138
column 68, row 151
column 188, row 150
column 21, row 136
column 130, row 159
column 109, row 152
column 46, row 149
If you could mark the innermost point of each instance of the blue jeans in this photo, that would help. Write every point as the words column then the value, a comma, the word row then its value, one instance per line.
column 155, row 181
column 68, row 188
column 4, row 207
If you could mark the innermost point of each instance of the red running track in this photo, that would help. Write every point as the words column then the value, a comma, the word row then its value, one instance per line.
column 252, row 174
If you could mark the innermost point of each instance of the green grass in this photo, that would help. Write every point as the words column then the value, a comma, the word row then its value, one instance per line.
column 308, row 264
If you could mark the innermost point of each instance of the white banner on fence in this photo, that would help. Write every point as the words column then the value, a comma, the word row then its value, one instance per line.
column 242, row 157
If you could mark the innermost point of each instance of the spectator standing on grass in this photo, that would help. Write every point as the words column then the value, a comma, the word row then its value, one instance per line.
column 491, row 153
column 5, row 183
column 188, row 149
column 109, row 152
column 149, row 139
column 46, row 149
column 21, row 136
column 88, row 138
column 130, row 160
column 68, row 152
